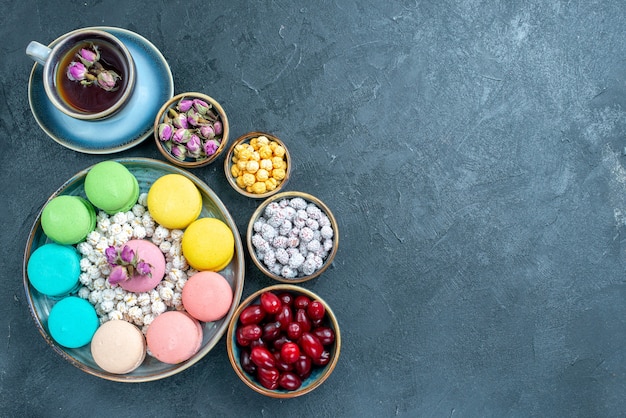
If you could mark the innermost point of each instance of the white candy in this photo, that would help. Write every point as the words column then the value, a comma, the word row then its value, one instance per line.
column 83, row 293
column 327, row 232
column 99, row 283
column 84, row 264
column 143, row 199
column 84, row 248
column 108, row 294
column 119, row 218
column 115, row 315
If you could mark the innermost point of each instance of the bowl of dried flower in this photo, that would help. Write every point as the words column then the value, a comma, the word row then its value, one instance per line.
column 191, row 130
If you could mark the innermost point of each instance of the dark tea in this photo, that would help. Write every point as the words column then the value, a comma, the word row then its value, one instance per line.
column 91, row 98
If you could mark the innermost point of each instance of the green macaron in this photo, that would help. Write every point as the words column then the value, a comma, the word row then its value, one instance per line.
column 54, row 269
column 67, row 219
column 111, row 187
column 73, row 322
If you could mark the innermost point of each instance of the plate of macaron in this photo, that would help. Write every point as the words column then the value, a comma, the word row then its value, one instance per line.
column 133, row 269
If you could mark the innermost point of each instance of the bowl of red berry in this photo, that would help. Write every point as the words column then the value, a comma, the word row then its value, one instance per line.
column 283, row 341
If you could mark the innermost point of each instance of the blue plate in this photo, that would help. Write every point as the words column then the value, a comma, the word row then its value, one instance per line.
column 147, row 171
column 134, row 123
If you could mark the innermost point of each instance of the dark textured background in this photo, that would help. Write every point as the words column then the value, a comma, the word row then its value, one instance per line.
column 472, row 152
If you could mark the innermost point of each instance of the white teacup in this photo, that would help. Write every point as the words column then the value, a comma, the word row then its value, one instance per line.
column 87, row 74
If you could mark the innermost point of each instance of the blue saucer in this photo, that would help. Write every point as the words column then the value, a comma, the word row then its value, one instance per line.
column 134, row 123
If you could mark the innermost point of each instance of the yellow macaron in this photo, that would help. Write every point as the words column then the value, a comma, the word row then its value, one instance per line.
column 208, row 244
column 174, row 201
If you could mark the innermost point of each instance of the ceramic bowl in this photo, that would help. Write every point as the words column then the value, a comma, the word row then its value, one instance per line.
column 170, row 148
column 319, row 374
column 146, row 171
column 257, row 256
column 228, row 165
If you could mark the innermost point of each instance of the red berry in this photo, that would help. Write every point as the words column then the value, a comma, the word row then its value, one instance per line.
column 323, row 359
column 311, row 345
column 262, row 357
column 271, row 331
column 252, row 314
column 289, row 381
column 294, row 331
column 268, row 377
column 316, row 310
column 286, row 298
column 246, row 363
column 284, row 316
column 301, row 302
column 250, row 332
column 290, row 352
column 326, row 335
column 303, row 366
column 241, row 340
column 270, row 302
column 303, row 319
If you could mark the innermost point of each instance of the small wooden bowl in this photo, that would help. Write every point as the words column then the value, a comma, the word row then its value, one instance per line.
column 190, row 162
column 319, row 374
column 228, row 163
column 327, row 261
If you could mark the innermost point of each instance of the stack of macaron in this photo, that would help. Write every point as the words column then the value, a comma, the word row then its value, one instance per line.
column 208, row 245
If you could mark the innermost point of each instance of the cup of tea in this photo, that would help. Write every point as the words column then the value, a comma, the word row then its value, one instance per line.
column 88, row 74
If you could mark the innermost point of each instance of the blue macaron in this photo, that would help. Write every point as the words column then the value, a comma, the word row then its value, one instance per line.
column 73, row 322
column 54, row 269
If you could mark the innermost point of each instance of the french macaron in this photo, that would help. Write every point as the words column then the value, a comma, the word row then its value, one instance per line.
column 207, row 296
column 72, row 322
column 54, row 269
column 111, row 187
column 149, row 253
column 174, row 337
column 118, row 347
column 174, row 201
column 67, row 220
column 208, row 244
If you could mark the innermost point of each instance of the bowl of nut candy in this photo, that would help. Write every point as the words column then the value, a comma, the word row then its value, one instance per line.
column 257, row 165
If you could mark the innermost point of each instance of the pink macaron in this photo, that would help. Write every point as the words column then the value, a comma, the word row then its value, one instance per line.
column 151, row 254
column 207, row 296
column 173, row 337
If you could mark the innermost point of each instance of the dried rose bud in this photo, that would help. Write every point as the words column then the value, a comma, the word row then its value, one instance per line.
column 127, row 255
column 210, row 146
column 144, row 268
column 76, row 71
column 118, row 274
column 194, row 144
column 107, row 80
column 185, row 104
column 88, row 57
column 165, row 132
column 181, row 136
column 217, row 126
column 180, row 121
column 179, row 151
column 193, row 118
column 201, row 106
column 111, row 255
column 207, row 131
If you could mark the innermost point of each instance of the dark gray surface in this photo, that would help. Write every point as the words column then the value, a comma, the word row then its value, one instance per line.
column 472, row 152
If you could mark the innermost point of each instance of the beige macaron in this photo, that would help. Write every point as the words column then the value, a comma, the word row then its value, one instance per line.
column 118, row 347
